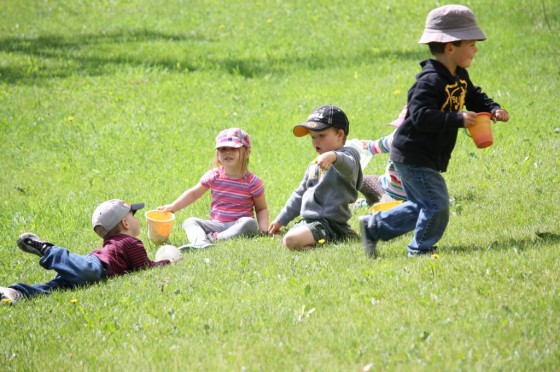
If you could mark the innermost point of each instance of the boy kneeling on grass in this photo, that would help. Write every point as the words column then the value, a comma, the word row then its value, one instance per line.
column 330, row 184
column 122, row 252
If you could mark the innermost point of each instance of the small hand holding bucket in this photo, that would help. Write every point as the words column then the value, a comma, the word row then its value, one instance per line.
column 159, row 225
column 481, row 132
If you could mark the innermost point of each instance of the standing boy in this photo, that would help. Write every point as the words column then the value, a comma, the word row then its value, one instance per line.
column 122, row 252
column 423, row 143
column 330, row 184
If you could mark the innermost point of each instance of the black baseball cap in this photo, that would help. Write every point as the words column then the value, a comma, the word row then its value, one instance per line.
column 324, row 117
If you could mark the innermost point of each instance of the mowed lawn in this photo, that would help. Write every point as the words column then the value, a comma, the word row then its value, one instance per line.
column 123, row 99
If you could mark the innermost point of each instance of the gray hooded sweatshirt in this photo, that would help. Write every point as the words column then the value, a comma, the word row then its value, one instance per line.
column 326, row 194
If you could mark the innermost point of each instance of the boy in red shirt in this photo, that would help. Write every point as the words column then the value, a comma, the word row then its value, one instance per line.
column 122, row 252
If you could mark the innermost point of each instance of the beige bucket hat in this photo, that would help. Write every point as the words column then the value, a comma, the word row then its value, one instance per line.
column 451, row 23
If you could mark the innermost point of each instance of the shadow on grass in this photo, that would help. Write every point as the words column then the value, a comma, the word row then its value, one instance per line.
column 55, row 56
column 540, row 239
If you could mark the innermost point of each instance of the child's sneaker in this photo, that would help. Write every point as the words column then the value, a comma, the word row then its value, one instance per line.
column 422, row 253
column 370, row 245
column 31, row 243
column 9, row 296
column 359, row 203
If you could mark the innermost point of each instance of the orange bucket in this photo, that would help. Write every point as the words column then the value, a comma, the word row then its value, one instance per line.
column 159, row 225
column 481, row 132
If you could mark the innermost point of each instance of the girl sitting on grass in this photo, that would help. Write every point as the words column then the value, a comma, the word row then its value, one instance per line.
column 236, row 193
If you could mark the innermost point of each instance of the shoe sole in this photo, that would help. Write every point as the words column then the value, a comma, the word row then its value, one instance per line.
column 194, row 246
column 26, row 247
column 9, row 300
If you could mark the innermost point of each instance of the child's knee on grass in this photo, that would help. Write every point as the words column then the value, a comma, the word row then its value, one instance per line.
column 248, row 226
column 299, row 238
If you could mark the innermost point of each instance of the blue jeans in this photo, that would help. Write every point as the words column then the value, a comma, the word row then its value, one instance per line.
column 72, row 270
column 426, row 211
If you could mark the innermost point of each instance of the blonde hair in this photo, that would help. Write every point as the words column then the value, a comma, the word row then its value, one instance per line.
column 243, row 156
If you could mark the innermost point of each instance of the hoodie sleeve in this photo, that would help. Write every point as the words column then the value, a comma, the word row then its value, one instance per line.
column 292, row 207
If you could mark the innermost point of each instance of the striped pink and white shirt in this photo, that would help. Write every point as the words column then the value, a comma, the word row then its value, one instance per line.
column 391, row 180
column 232, row 198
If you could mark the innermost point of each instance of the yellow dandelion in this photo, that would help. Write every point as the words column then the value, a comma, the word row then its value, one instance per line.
column 269, row 21
column 74, row 301
column 222, row 27
column 397, row 91
column 6, row 301
column 435, row 256
column 70, row 118
column 321, row 241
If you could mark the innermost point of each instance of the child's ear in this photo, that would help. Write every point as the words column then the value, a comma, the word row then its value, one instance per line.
column 124, row 223
column 340, row 134
column 449, row 48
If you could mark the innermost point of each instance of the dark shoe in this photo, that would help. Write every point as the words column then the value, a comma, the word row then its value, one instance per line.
column 370, row 245
column 9, row 296
column 31, row 243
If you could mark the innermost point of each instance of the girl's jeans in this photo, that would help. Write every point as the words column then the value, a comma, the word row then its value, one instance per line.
column 72, row 270
column 426, row 211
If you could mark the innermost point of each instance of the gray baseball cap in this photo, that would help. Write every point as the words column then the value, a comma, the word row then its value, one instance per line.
column 110, row 213
column 451, row 23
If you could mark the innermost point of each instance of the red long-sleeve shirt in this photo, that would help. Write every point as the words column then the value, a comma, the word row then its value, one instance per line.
column 123, row 253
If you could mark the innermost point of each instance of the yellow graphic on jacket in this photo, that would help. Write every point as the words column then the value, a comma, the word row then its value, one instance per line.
column 456, row 94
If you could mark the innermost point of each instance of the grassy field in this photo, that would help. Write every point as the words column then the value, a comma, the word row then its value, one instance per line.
column 123, row 99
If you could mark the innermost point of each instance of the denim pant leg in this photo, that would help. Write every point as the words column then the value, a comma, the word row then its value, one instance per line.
column 72, row 270
column 394, row 222
column 426, row 188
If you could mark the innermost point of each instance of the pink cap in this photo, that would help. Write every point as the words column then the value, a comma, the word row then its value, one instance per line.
column 233, row 137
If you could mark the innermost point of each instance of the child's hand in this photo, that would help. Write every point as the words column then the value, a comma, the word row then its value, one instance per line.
column 501, row 115
column 325, row 160
column 469, row 119
column 274, row 228
column 166, row 208
column 365, row 144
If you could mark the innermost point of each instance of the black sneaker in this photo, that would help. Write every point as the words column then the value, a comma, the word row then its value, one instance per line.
column 9, row 296
column 31, row 243
column 370, row 245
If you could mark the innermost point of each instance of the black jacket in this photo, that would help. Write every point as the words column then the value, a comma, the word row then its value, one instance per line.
column 429, row 132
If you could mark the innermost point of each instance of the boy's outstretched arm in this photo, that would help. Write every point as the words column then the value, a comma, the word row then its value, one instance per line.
column 325, row 160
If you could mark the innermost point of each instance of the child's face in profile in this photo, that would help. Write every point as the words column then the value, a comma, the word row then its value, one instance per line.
column 133, row 224
column 464, row 54
column 327, row 140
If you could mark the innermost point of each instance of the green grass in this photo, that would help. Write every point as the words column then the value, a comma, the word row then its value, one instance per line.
column 123, row 99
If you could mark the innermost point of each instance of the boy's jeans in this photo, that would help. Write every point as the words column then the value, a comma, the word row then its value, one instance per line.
column 72, row 270
column 426, row 211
